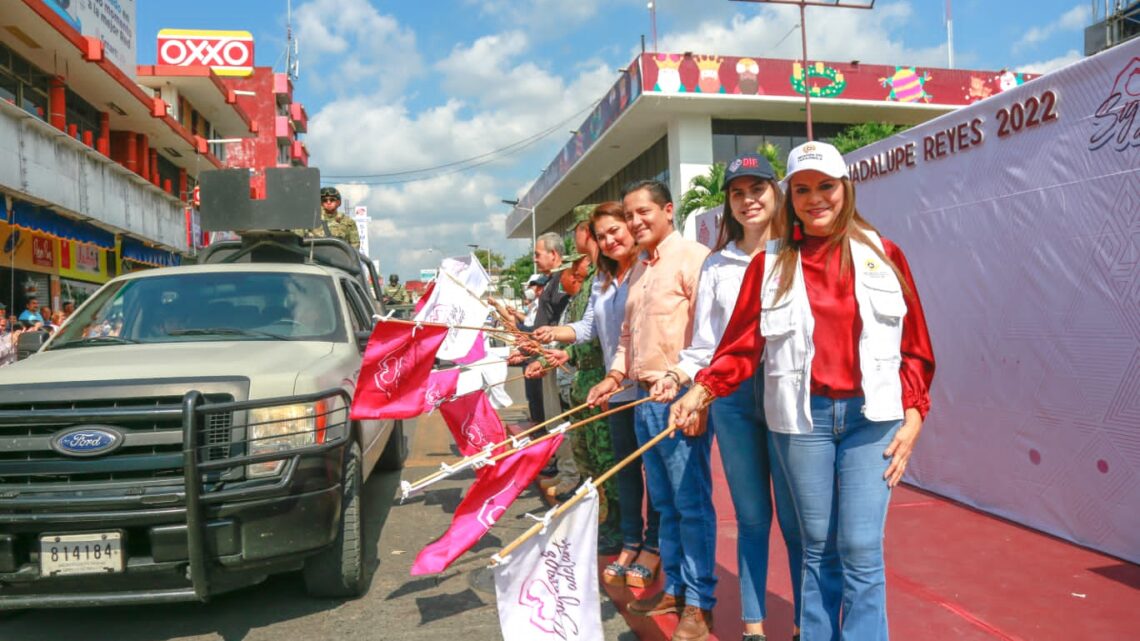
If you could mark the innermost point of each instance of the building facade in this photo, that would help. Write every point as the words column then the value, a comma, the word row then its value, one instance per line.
column 671, row 116
column 96, row 169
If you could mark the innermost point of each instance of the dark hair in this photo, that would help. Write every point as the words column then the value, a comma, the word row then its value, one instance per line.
column 607, row 266
column 731, row 230
column 658, row 191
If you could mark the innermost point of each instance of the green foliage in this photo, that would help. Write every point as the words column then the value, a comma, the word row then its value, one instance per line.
column 776, row 156
column 497, row 259
column 704, row 193
column 517, row 274
column 858, row 136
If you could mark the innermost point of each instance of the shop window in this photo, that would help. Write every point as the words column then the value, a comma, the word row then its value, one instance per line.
column 9, row 89
column 82, row 114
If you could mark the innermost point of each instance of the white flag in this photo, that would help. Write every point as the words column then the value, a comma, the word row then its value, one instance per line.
column 488, row 374
column 452, row 304
column 548, row 588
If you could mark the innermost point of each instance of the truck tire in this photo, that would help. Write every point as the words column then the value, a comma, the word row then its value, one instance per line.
column 395, row 451
column 338, row 571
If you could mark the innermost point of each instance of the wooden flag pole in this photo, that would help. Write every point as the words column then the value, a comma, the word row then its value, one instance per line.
column 494, row 330
column 562, row 507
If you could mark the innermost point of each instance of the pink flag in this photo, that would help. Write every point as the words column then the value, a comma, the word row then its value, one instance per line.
column 495, row 488
column 394, row 372
column 440, row 387
column 478, row 351
column 425, row 297
column 473, row 422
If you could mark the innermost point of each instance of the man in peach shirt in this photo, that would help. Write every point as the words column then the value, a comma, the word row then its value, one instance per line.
column 658, row 325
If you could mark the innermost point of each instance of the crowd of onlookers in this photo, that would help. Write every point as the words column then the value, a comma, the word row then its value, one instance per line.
column 33, row 318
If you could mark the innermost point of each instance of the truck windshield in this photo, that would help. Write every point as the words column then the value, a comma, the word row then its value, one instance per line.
column 232, row 306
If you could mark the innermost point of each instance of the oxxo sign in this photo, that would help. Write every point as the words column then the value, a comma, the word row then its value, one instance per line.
column 228, row 53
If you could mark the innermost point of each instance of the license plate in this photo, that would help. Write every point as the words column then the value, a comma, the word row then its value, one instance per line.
column 90, row 553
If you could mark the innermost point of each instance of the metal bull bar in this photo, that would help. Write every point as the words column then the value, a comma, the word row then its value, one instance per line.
column 194, row 410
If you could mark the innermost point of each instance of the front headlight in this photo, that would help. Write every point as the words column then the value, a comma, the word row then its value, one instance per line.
column 288, row 427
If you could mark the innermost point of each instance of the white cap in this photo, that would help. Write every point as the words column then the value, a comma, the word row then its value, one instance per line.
column 819, row 156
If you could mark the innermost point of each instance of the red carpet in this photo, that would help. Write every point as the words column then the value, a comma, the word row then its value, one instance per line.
column 952, row 573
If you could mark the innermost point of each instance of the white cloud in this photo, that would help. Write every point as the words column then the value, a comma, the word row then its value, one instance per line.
column 354, row 46
column 833, row 34
column 1076, row 18
column 541, row 15
column 1045, row 66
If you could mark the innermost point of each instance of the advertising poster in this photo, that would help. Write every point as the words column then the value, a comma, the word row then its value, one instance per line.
column 112, row 21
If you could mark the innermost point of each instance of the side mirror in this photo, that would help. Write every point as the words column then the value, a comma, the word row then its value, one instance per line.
column 362, row 339
column 29, row 343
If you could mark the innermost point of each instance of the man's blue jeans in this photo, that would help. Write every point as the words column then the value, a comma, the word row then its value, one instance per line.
column 742, row 437
column 636, row 532
column 680, row 487
column 836, row 479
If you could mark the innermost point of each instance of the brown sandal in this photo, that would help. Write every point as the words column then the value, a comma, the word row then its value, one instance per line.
column 639, row 574
column 614, row 574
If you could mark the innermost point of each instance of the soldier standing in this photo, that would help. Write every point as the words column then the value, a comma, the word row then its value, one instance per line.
column 394, row 293
column 333, row 223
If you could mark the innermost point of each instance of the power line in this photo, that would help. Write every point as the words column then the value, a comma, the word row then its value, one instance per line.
column 459, row 165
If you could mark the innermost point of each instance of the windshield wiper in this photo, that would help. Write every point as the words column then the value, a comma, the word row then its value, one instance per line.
column 225, row 331
column 95, row 340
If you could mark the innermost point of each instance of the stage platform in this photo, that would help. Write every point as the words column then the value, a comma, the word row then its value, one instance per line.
column 952, row 573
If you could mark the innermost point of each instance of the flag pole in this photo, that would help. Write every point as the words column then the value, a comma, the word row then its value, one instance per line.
column 562, row 507
column 494, row 330
column 467, row 460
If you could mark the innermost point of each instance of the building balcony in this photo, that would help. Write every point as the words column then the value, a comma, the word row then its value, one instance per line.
column 44, row 165
column 282, row 88
column 283, row 128
column 299, row 116
column 299, row 154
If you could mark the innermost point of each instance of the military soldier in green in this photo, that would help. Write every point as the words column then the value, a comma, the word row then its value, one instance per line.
column 333, row 223
column 394, row 293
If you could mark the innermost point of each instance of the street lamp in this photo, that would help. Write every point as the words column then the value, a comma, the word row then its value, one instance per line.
column 803, row 5
column 475, row 249
column 533, row 235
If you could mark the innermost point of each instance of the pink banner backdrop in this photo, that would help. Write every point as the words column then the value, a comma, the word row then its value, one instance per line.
column 1020, row 216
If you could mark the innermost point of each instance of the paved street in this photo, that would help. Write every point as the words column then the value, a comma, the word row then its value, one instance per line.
column 459, row 604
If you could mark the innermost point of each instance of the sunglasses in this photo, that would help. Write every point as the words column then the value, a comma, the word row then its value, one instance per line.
column 329, row 199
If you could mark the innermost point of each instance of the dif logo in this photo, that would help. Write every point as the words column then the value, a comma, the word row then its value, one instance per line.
column 228, row 53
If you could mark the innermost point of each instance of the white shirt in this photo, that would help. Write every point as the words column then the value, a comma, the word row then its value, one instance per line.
column 602, row 319
column 717, row 292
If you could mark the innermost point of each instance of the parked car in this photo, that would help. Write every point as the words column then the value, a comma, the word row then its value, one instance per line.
column 187, row 432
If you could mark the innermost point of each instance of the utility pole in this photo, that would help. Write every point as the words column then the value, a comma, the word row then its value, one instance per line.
column 805, row 70
column 949, row 36
column 652, row 6
column 533, row 237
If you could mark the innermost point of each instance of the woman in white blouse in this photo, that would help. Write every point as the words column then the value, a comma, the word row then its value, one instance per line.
column 753, row 197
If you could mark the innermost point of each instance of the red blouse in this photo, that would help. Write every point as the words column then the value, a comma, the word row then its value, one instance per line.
column 835, row 371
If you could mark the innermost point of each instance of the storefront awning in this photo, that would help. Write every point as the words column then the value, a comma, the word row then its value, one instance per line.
column 138, row 252
column 42, row 219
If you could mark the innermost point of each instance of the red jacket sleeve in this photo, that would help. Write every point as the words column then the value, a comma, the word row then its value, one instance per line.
column 738, row 353
column 917, row 371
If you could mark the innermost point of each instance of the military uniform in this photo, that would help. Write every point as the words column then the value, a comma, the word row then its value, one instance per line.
column 593, row 450
column 396, row 295
column 339, row 226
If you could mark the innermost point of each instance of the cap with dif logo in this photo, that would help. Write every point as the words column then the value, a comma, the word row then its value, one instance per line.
column 753, row 165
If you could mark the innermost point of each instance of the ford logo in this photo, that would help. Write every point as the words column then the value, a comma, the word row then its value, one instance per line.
column 89, row 440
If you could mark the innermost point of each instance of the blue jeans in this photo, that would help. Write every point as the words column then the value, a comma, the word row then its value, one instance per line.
column 636, row 533
column 836, row 478
column 738, row 423
column 680, row 486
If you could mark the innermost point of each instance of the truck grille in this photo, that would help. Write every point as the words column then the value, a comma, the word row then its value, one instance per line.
column 151, row 449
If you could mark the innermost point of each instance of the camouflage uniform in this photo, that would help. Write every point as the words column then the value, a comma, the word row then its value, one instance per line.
column 340, row 226
column 591, row 444
column 397, row 295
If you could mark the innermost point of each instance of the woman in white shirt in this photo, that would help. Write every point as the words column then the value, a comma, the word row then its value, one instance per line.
column 752, row 200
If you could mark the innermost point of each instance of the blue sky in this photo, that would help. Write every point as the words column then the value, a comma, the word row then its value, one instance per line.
column 399, row 85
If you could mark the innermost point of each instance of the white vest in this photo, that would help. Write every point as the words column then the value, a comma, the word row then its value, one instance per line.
column 787, row 326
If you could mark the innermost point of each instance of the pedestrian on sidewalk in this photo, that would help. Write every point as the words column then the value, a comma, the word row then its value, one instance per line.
column 848, row 365
column 657, row 326
column 638, row 561
column 752, row 204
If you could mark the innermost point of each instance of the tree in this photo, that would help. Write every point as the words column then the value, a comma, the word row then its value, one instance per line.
column 858, row 136
column 517, row 274
column 704, row 193
column 775, row 156
column 497, row 259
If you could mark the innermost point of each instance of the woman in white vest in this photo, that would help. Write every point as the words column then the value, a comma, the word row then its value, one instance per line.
column 752, row 203
column 835, row 315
